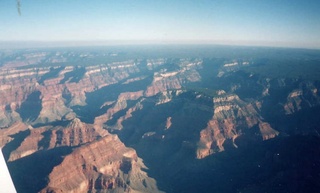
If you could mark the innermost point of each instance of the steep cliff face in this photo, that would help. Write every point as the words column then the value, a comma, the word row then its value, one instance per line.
column 118, row 105
column 232, row 118
column 100, row 162
column 53, row 106
column 306, row 96
column 170, row 110
column 105, row 165
column 128, row 114
column 267, row 131
column 74, row 134
column 15, row 87
column 44, row 97
column 6, row 133
column 164, row 81
column 60, row 88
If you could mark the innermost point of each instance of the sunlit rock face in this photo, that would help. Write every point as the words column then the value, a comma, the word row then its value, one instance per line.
column 38, row 105
column 90, row 124
column 61, row 88
column 101, row 166
column 76, row 133
column 100, row 162
column 6, row 134
column 306, row 96
column 232, row 118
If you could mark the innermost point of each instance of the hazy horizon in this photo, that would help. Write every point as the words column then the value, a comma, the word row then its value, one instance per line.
column 66, row 44
column 248, row 23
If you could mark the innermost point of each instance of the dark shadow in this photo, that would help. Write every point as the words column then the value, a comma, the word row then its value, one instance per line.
column 74, row 76
column 167, row 148
column 53, row 73
column 279, row 165
column 45, row 141
column 62, row 123
column 97, row 98
column 31, row 107
column 29, row 174
column 15, row 143
column 120, row 113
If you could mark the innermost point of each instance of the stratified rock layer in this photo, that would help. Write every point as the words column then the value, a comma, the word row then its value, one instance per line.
column 232, row 118
column 105, row 165
column 170, row 110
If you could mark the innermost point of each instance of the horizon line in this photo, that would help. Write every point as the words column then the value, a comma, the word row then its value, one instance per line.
column 25, row 44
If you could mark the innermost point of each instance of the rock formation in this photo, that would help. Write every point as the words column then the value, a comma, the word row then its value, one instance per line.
column 232, row 118
column 104, row 165
column 171, row 110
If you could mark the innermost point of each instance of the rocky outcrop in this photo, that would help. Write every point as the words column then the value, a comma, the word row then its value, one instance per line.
column 162, row 83
column 267, row 131
column 232, row 118
column 118, row 125
column 53, row 104
column 15, row 87
column 166, row 96
column 64, row 87
column 119, row 105
column 100, row 163
column 57, row 94
column 306, row 96
column 9, row 116
column 6, row 133
column 105, row 165
column 167, row 108
column 74, row 134
column 164, row 80
column 168, row 123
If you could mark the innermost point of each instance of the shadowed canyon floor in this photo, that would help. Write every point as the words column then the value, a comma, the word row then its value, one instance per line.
column 161, row 119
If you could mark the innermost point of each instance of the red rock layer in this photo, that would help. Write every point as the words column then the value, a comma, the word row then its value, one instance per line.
column 75, row 134
column 232, row 117
column 5, row 133
column 102, row 166
column 302, row 98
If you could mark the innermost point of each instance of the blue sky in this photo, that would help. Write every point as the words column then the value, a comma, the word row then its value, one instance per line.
column 293, row 23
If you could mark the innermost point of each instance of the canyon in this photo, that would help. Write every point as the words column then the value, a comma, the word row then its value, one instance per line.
column 146, row 124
